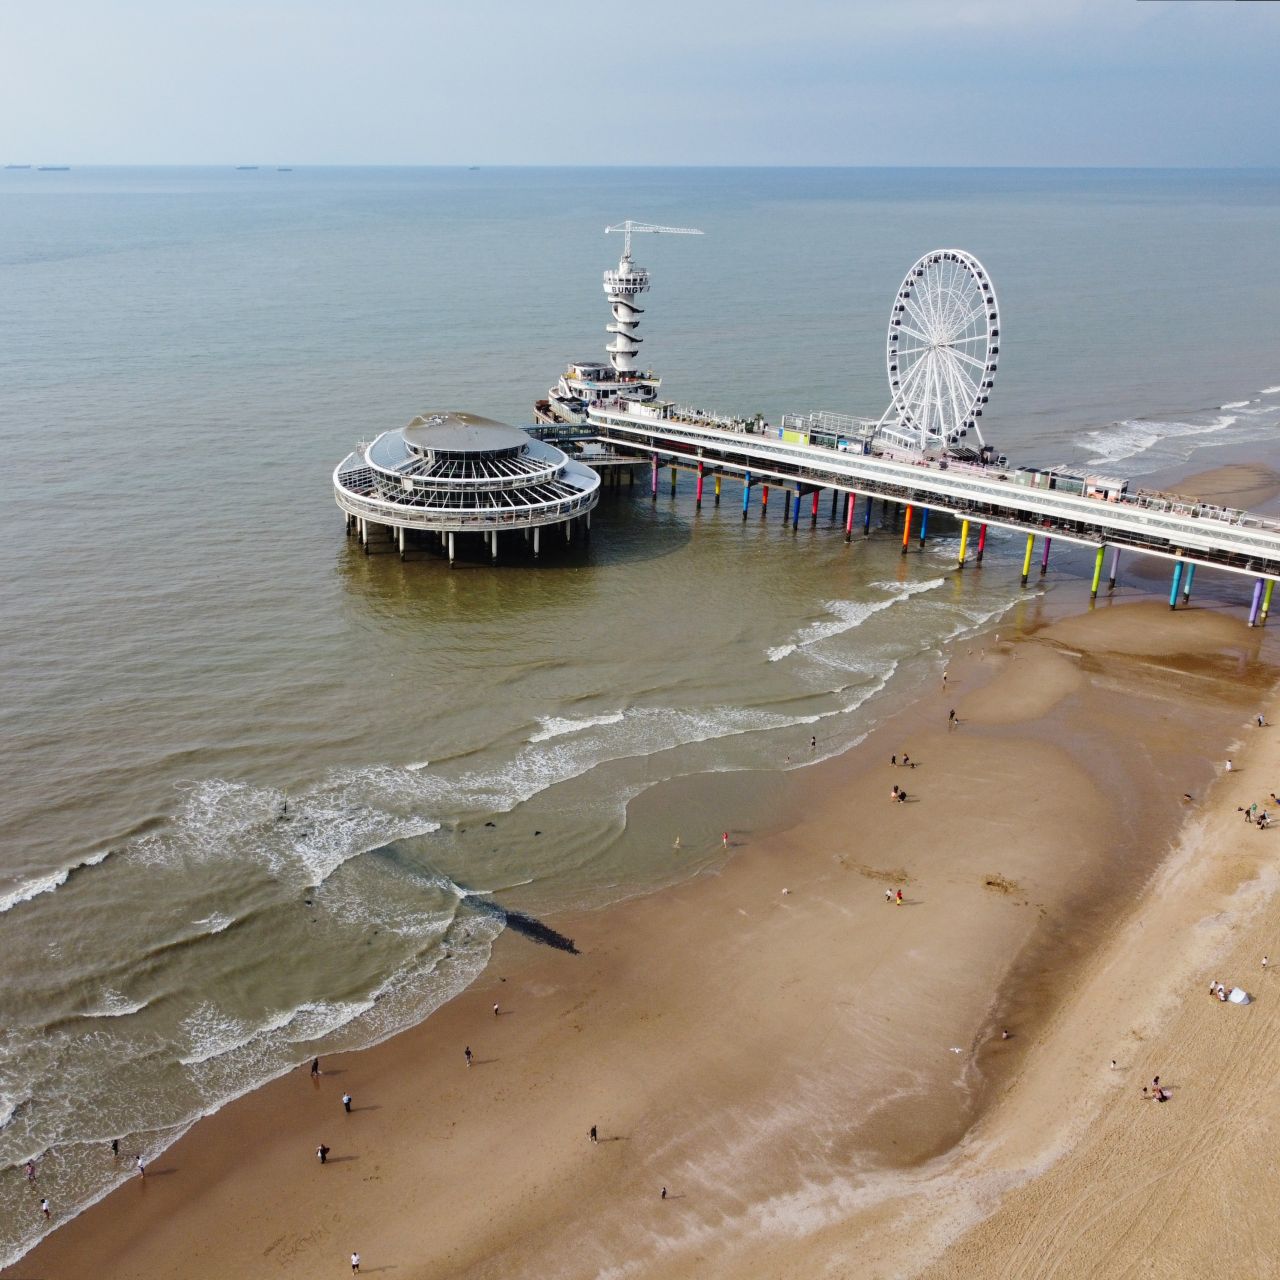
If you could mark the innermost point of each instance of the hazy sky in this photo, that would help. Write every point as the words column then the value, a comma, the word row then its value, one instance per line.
column 842, row 82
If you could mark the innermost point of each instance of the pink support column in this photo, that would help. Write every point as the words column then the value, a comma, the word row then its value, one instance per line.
column 699, row 504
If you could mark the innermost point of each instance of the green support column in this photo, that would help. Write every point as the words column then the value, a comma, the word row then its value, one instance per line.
column 1097, row 573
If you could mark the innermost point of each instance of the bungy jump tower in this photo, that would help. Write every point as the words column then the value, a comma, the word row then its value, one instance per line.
column 449, row 474
column 592, row 382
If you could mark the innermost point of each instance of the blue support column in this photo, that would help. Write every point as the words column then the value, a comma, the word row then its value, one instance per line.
column 866, row 519
column 1177, row 578
column 746, row 493
column 924, row 523
column 795, row 518
column 1257, row 600
column 1186, row 583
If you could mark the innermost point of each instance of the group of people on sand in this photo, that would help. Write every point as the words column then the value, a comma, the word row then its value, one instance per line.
column 1251, row 814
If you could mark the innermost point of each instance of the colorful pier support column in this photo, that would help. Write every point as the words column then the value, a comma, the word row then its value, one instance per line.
column 400, row 539
column 719, row 477
column 906, row 528
column 866, row 519
column 673, row 479
column 848, row 517
column 1097, row 573
column 764, row 500
column 1257, row 601
column 795, row 514
column 1115, row 564
column 536, row 540
column 451, row 544
column 835, row 495
column 786, row 506
column 982, row 542
column 1044, row 559
column 1177, row 580
column 1186, row 583
column 816, row 496
column 964, row 543
column 1026, row 559
column 1266, row 602
column 924, row 524
column 698, row 503
column 746, row 493
column 654, row 486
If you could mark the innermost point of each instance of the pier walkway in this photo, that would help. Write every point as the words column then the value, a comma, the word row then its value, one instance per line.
column 1184, row 531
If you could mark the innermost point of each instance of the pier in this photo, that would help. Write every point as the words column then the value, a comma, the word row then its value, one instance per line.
column 1183, row 531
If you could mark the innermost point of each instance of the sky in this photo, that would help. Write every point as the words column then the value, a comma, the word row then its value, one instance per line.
column 683, row 82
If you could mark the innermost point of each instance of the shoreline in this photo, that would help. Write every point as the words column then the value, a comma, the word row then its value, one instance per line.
column 904, row 1132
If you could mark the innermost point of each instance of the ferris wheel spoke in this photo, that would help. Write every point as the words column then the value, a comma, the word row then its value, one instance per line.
column 967, row 358
column 902, row 328
column 925, row 322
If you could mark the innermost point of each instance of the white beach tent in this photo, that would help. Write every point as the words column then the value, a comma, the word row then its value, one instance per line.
column 1238, row 997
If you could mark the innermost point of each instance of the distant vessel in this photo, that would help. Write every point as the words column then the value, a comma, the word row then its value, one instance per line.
column 51, row 168
column 17, row 166
column 246, row 166
column 473, row 168
column 592, row 382
column 281, row 168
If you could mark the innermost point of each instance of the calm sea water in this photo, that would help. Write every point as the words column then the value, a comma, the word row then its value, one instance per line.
column 249, row 770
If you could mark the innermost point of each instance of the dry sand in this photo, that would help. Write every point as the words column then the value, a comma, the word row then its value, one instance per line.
column 816, row 1076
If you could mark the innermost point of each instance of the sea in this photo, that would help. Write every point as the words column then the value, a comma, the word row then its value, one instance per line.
column 265, row 797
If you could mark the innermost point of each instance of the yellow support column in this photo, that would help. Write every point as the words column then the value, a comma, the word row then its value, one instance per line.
column 1026, row 559
column 964, row 541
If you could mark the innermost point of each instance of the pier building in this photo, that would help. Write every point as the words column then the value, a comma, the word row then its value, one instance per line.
column 451, row 474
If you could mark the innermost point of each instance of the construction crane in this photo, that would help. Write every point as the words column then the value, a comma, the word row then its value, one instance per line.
column 628, row 227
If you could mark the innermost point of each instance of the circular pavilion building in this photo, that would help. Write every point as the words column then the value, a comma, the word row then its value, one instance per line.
column 453, row 473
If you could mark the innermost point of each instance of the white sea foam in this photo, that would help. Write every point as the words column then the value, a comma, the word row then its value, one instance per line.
column 1135, row 436
column 1235, row 404
column 112, row 1004
column 1269, row 391
column 47, row 883
column 848, row 614
column 559, row 727
column 216, row 922
column 419, row 765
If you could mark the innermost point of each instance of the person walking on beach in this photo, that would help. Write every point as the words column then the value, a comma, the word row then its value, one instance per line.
column 44, row 1207
column 466, row 1053
column 897, row 898
column 893, row 795
column 141, row 1166
column 1228, row 766
column 322, row 1154
column 31, row 1170
column 1261, row 721
column 813, row 743
column 346, row 1103
column 115, row 1148
column 664, row 1193
column 724, row 839
column 315, row 1068
column 951, row 718
column 355, row 1264
column 888, row 895
column 594, row 1135
column 1264, row 964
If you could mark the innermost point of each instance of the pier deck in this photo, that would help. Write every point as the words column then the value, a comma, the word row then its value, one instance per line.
column 1155, row 524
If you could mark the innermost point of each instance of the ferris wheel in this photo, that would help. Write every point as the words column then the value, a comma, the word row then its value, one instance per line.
column 944, row 337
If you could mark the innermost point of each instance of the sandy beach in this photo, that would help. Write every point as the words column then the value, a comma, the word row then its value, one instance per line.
column 816, row 1076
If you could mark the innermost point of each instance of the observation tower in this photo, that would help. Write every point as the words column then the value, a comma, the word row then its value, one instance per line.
column 592, row 382
column 450, row 473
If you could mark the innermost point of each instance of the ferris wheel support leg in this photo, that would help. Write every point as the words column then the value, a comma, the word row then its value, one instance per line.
column 1266, row 602
column 1177, row 579
column 848, row 516
column 1115, row 564
column 746, row 493
column 1026, row 559
column 1097, row 573
column 924, row 525
column 1186, row 583
column 906, row 528
column 1257, row 601
column 1044, row 559
column 964, row 543
column 982, row 542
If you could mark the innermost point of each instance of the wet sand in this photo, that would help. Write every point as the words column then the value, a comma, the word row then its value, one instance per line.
column 815, row 1075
